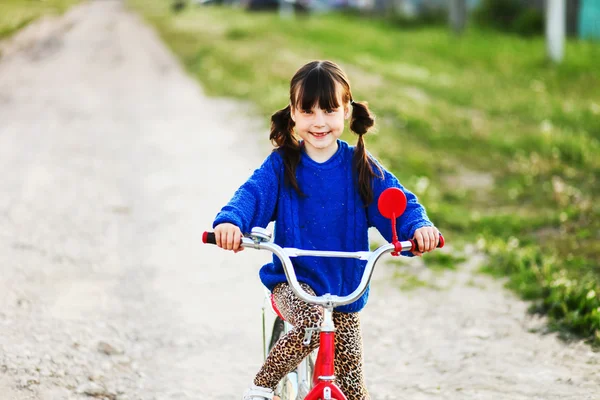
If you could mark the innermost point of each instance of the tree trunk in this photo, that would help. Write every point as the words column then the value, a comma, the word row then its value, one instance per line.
column 458, row 15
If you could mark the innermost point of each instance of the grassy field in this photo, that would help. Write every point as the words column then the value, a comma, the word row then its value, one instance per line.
column 500, row 145
column 15, row 14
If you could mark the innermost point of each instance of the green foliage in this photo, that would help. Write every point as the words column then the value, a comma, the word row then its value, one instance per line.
column 499, row 14
column 16, row 14
column 429, row 16
column 529, row 23
column 442, row 260
column 568, row 291
column 8, row 28
column 510, row 16
column 408, row 282
column 236, row 33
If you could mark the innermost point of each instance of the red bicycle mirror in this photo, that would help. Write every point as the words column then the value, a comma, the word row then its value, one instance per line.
column 392, row 203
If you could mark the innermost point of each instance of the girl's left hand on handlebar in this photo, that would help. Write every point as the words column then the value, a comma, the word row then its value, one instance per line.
column 427, row 238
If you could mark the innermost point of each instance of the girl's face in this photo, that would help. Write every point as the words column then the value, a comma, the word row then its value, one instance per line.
column 320, row 128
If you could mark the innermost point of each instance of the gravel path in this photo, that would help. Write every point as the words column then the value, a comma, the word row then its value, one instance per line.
column 113, row 163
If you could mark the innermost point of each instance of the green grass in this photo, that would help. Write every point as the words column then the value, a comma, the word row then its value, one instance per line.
column 441, row 261
column 496, row 141
column 15, row 14
column 408, row 282
column 569, row 296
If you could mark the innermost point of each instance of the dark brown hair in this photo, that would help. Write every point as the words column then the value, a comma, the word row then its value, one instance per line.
column 317, row 83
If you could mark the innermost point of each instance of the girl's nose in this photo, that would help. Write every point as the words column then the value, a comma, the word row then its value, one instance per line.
column 319, row 119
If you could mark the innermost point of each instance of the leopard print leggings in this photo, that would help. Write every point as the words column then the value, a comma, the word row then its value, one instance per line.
column 289, row 350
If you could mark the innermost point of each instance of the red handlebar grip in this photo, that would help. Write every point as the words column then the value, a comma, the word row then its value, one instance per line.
column 209, row 238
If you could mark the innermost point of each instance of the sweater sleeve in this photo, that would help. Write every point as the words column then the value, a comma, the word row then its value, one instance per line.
column 255, row 202
column 413, row 218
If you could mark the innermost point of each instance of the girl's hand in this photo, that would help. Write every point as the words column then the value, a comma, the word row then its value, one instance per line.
column 228, row 237
column 427, row 238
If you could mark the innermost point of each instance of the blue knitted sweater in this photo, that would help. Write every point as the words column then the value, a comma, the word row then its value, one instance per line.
column 330, row 216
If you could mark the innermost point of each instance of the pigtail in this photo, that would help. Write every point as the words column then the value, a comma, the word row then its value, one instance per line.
column 282, row 136
column 366, row 169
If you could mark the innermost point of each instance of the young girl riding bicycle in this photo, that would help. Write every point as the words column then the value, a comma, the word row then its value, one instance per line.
column 322, row 194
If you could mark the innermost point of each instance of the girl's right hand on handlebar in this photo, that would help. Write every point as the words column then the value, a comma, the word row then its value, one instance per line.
column 228, row 237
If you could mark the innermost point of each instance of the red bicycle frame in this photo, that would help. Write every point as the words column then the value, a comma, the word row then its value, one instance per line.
column 324, row 373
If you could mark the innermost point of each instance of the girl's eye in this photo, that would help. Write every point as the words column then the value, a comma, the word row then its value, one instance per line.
column 307, row 111
column 329, row 111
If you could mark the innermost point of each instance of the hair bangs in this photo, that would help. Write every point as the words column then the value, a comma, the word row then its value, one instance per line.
column 318, row 88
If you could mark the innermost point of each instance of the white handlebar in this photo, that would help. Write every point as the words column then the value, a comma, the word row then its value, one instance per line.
column 329, row 300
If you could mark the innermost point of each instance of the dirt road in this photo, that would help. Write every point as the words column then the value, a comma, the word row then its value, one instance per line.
column 113, row 163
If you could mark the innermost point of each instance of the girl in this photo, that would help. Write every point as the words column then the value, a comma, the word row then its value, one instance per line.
column 321, row 193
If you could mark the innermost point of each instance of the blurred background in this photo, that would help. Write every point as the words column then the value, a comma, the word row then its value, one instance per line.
column 489, row 110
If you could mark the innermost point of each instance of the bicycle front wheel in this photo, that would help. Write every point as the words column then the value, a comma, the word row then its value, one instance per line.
column 305, row 374
column 287, row 389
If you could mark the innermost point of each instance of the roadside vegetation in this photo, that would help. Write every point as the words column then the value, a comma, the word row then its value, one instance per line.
column 16, row 14
column 502, row 146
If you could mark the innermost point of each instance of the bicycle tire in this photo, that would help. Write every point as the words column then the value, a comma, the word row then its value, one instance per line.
column 303, row 390
column 288, row 388
column 277, row 332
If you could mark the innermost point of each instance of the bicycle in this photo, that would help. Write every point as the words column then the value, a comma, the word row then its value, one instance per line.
column 391, row 204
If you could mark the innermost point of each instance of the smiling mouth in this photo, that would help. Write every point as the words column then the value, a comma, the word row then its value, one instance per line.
column 320, row 134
